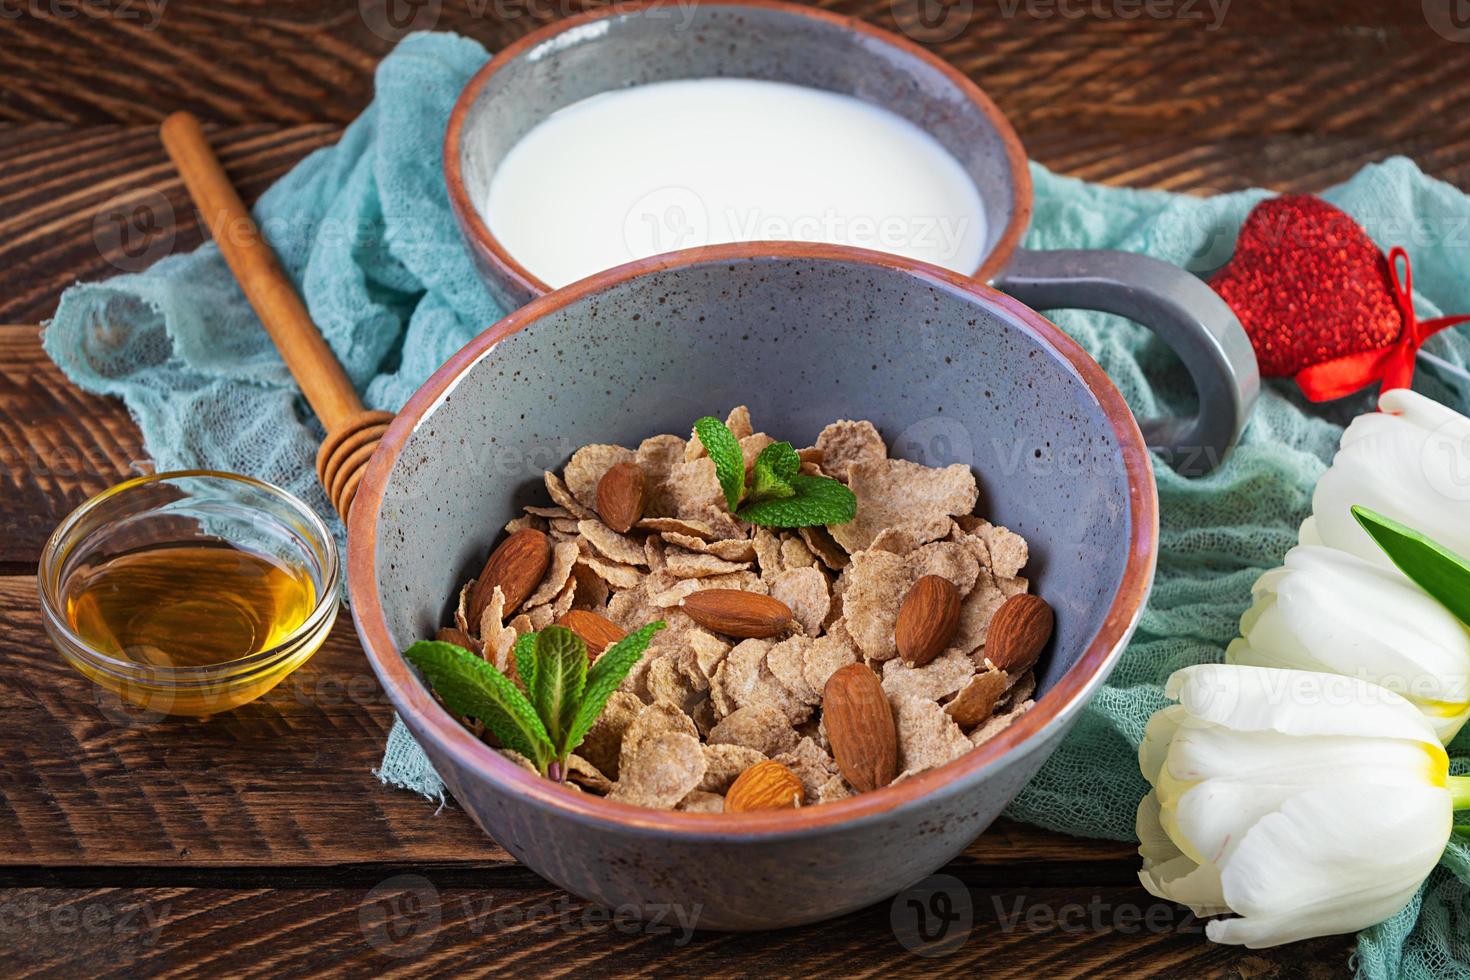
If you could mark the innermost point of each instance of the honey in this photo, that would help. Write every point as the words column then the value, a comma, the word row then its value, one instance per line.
column 188, row 606
column 188, row 593
column 196, row 608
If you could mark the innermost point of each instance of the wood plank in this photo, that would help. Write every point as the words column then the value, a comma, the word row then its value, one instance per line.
column 1318, row 65
column 411, row 925
column 89, row 784
column 88, row 204
column 1292, row 97
column 58, row 446
column 285, row 782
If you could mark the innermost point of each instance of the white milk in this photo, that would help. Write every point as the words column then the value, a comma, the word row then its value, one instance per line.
column 680, row 164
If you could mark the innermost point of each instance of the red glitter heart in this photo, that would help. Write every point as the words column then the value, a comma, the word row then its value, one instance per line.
column 1309, row 286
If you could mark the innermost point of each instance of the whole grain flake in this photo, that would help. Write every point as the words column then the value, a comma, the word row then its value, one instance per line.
column 701, row 707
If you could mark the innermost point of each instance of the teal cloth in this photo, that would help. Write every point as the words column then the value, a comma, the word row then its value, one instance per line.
column 364, row 228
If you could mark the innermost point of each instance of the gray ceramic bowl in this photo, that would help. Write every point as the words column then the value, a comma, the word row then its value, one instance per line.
column 949, row 371
column 631, row 44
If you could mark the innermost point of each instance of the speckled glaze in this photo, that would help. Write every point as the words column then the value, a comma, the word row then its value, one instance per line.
column 635, row 44
column 949, row 371
column 641, row 42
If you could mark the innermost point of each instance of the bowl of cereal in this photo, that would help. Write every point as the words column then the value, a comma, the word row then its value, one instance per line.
column 844, row 542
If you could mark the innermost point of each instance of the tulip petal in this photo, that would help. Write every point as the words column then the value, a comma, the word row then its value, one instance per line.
column 1168, row 874
column 1326, row 610
column 1257, row 773
column 1308, row 533
column 1412, row 465
column 1201, row 755
column 1294, row 702
column 1332, row 859
column 1261, row 931
column 1157, row 735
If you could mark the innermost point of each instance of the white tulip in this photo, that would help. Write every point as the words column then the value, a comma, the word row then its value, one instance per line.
column 1306, row 804
column 1327, row 610
column 1409, row 461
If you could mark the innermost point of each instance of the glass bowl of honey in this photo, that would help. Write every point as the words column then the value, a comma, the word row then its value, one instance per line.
column 190, row 593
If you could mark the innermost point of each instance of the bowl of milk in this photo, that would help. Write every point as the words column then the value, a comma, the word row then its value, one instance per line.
column 637, row 131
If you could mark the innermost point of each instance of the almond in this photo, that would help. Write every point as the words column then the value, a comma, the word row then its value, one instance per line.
column 927, row 620
column 452, row 634
column 736, row 612
column 767, row 785
column 860, row 727
column 620, row 496
column 517, row 566
column 1018, row 631
column 974, row 705
column 596, row 631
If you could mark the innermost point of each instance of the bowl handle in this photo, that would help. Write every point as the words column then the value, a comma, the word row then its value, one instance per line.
column 1185, row 312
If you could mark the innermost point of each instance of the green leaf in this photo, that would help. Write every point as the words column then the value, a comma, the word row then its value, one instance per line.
column 817, row 500
column 724, row 449
column 470, row 686
column 606, row 673
column 1431, row 566
column 774, row 469
column 561, row 676
column 525, row 654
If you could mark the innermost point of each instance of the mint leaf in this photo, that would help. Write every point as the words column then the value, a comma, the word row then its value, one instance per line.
column 775, row 467
column 561, row 676
column 817, row 500
column 724, row 449
column 1431, row 566
column 469, row 686
column 525, row 655
column 604, row 677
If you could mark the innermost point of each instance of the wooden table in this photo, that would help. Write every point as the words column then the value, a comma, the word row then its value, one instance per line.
column 260, row 843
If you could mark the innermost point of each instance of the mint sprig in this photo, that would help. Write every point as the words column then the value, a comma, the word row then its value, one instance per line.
column 779, row 495
column 1430, row 565
column 773, row 472
column 724, row 449
column 471, row 686
column 605, row 676
column 813, row 500
column 566, row 697
column 561, row 676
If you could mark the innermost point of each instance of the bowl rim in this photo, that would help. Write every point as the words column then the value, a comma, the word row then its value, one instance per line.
column 1091, row 668
column 483, row 241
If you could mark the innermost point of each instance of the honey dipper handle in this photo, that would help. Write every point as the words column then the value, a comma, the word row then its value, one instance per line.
column 271, row 294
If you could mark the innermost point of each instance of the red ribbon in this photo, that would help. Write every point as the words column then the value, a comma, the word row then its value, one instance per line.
column 1394, row 364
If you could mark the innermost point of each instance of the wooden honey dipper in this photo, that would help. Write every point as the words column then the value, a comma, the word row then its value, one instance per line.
column 353, row 432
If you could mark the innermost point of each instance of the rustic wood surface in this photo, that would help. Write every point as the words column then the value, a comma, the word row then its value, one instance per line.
column 260, row 843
